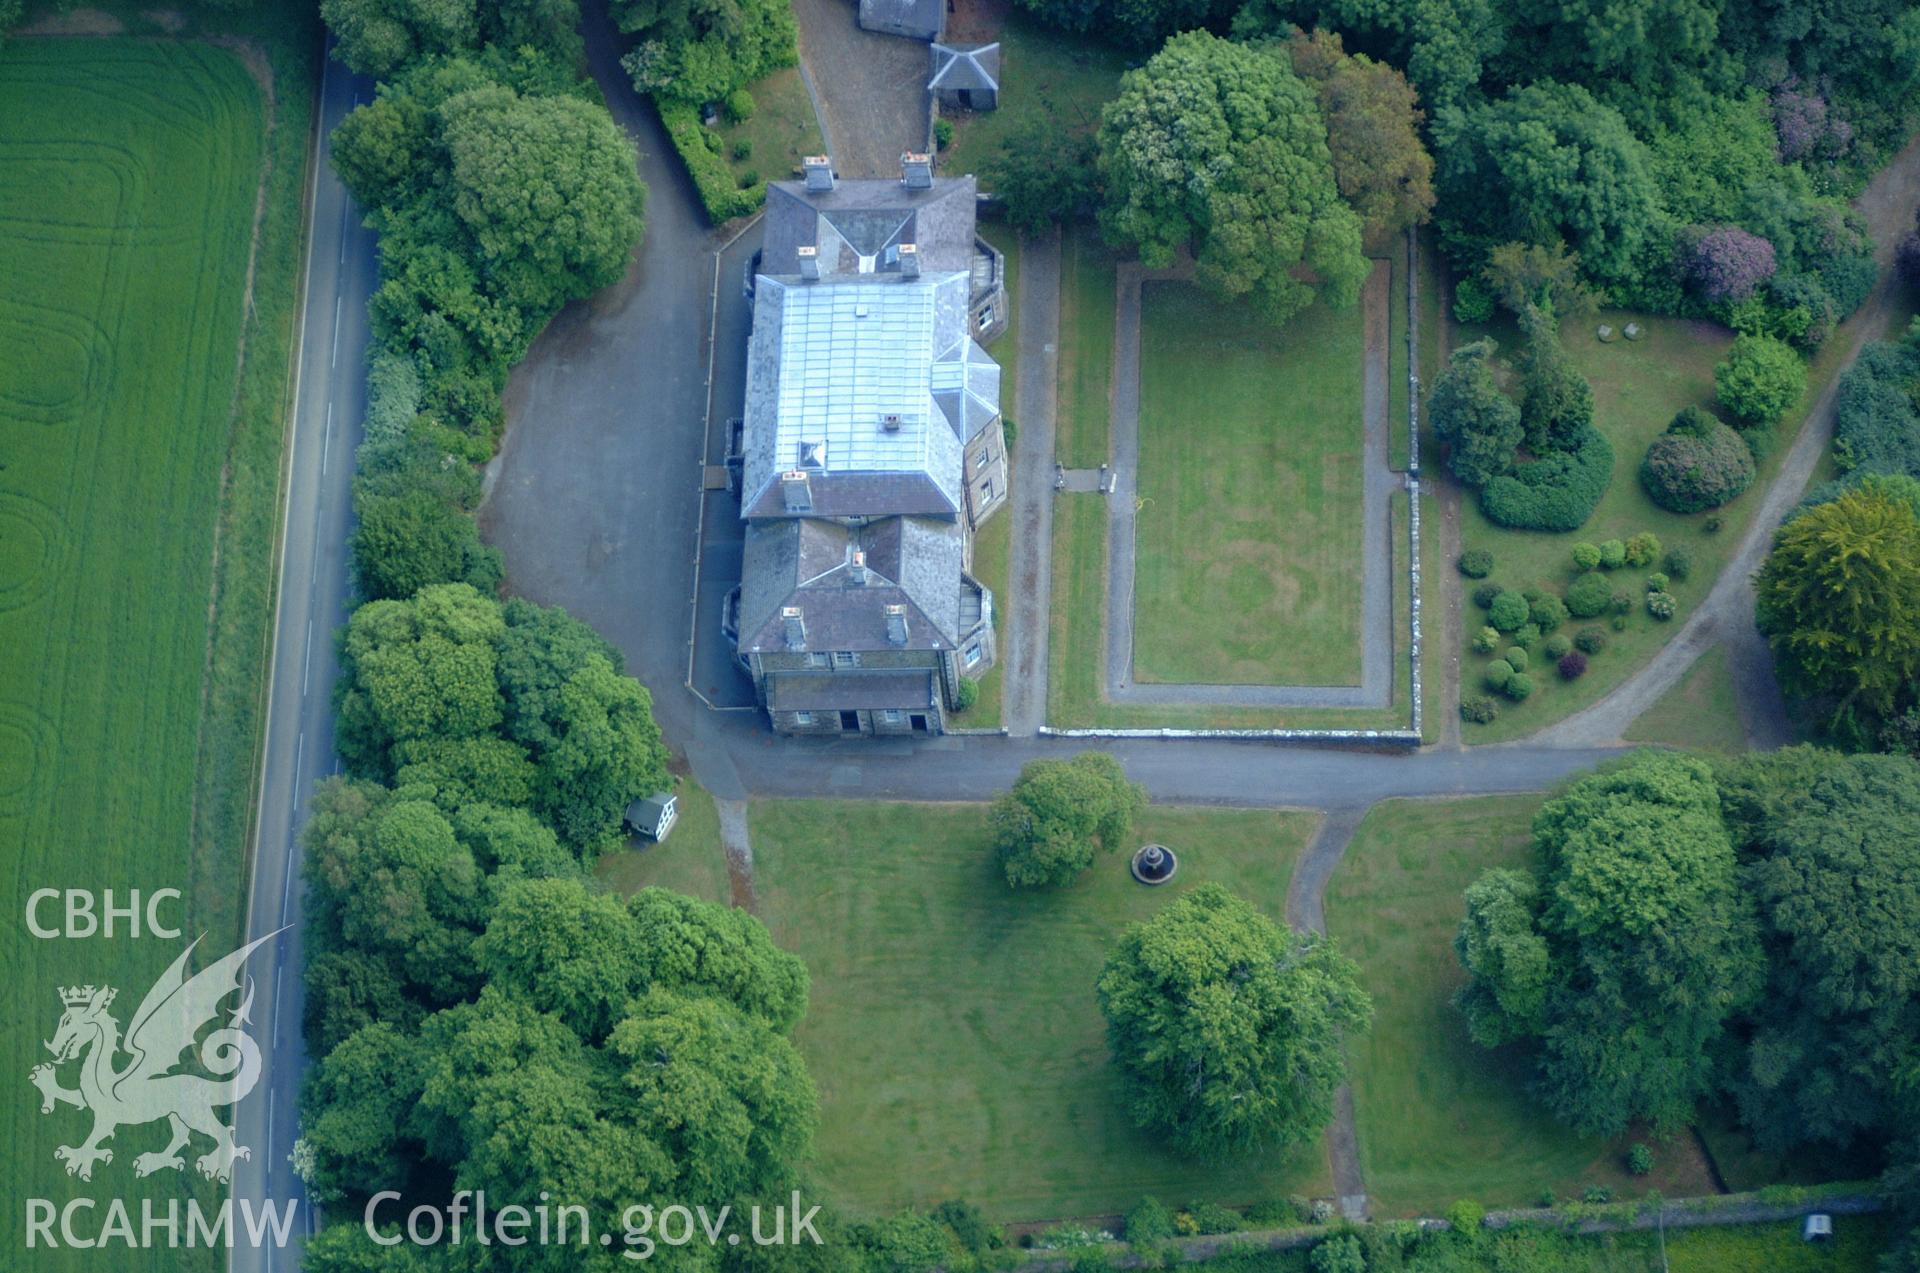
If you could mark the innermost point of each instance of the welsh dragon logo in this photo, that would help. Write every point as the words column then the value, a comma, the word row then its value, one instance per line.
column 145, row 1088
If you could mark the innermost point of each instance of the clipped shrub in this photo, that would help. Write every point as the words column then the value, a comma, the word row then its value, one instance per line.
column 1640, row 1159
column 1713, row 524
column 942, row 133
column 743, row 149
column 1590, row 640
column 1499, row 672
column 1587, row 596
column 1760, row 378
column 1466, row 1216
column 1211, row 1217
column 1557, row 645
column 749, row 179
column 1341, row 1253
column 1688, row 472
column 1679, row 561
column 1486, row 641
column 1507, row 611
column 1597, row 1194
column 1657, row 582
column 1613, row 554
column 1618, row 623
column 967, row 695
column 1516, row 658
column 1643, row 548
column 1476, row 563
column 1472, row 301
column 1586, row 556
column 1556, row 492
column 1270, row 1213
column 1484, row 594
column 1150, row 1221
column 1481, row 709
column 1518, row 687
column 739, row 106
column 720, row 194
column 1526, row 636
column 1662, row 605
column 1547, row 612
column 1572, row 665
column 1622, row 602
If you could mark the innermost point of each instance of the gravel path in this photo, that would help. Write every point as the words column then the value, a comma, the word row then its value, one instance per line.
column 1306, row 909
column 1024, row 690
column 870, row 90
column 1379, row 482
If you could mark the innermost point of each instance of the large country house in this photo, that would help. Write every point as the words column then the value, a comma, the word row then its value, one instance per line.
column 870, row 450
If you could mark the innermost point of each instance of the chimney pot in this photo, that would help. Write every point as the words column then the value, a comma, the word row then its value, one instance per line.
column 819, row 170
column 896, row 625
column 916, row 171
column 809, row 263
column 910, row 260
column 796, row 627
column 857, row 571
column 796, row 493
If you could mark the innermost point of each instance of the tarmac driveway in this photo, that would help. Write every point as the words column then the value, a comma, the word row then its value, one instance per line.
column 871, row 89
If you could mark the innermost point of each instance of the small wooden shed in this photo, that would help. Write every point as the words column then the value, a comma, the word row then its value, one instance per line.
column 654, row 816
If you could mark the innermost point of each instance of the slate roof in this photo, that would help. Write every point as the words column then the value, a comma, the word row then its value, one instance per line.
column 823, row 691
column 965, row 66
column 830, row 361
column 807, row 563
column 925, row 19
column 865, row 218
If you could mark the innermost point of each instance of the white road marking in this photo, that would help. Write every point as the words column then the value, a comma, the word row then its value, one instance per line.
column 337, row 298
column 326, row 442
column 299, row 750
column 278, row 976
column 306, row 663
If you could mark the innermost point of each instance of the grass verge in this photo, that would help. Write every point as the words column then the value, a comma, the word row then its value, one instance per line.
column 993, row 544
column 1701, row 713
column 953, row 1031
column 1084, row 420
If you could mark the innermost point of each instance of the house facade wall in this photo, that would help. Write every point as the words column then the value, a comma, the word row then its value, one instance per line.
column 986, row 474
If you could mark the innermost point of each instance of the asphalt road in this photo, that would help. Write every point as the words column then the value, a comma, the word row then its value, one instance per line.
column 329, row 403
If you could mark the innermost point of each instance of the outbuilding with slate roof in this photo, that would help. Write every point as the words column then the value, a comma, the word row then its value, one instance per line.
column 966, row 76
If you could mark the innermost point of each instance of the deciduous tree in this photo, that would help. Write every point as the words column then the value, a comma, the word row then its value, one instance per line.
column 1227, row 1028
column 1219, row 148
column 1058, row 812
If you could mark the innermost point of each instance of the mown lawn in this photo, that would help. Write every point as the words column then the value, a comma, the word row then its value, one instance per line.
column 1249, row 525
column 1701, row 713
column 693, row 860
column 1059, row 79
column 782, row 131
column 135, row 454
column 1439, row 1117
column 1083, row 424
column 1638, row 386
column 954, row 1033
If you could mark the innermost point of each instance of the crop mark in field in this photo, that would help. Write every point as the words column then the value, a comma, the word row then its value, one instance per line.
column 25, row 739
column 58, row 359
column 33, row 540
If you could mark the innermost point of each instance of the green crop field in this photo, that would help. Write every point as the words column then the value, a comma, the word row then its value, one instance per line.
column 1249, row 527
column 953, row 1029
column 148, row 191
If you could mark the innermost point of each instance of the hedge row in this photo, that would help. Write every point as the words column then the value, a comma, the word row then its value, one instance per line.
column 1557, row 492
column 720, row 194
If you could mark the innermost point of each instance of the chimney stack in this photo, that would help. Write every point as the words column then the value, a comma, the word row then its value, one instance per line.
column 795, row 493
column 810, row 263
column 896, row 625
column 796, row 627
column 857, row 571
column 910, row 260
column 819, row 170
column 916, row 171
